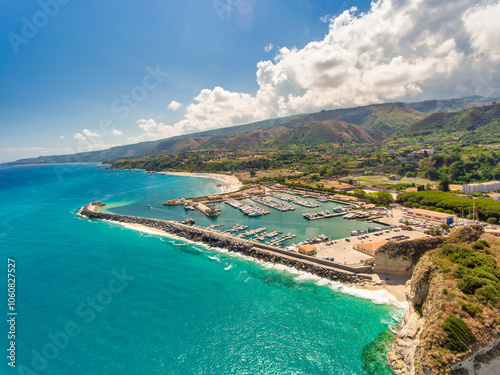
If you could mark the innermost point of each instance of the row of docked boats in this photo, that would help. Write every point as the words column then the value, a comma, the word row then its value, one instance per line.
column 358, row 214
column 358, row 232
column 254, row 232
column 247, row 208
column 296, row 200
column 236, row 228
column 273, row 204
column 314, row 240
column 339, row 209
column 316, row 215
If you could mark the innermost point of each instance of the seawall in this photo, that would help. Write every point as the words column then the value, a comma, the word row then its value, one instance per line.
column 262, row 252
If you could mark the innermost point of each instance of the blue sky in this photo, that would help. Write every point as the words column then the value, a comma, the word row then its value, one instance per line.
column 67, row 67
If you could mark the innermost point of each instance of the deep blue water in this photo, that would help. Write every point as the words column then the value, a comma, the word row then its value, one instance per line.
column 97, row 298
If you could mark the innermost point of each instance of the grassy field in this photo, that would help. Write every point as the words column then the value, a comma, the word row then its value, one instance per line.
column 380, row 179
column 246, row 178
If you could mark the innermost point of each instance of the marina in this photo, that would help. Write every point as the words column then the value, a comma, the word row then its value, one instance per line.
column 276, row 216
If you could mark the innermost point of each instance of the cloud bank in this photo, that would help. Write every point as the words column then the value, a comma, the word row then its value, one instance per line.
column 399, row 50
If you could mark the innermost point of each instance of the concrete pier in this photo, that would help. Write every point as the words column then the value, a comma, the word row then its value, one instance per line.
column 267, row 253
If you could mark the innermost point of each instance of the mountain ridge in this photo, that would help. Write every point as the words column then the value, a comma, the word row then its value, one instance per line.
column 378, row 121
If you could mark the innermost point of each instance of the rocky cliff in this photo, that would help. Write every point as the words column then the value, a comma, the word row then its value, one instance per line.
column 426, row 344
column 399, row 258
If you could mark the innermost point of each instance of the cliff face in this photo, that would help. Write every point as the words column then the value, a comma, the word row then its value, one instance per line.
column 407, row 348
column 399, row 258
column 434, row 297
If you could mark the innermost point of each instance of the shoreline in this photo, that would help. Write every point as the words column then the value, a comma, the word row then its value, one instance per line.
column 233, row 183
column 379, row 294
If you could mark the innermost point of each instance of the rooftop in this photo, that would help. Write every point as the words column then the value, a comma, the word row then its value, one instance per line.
column 372, row 246
column 419, row 211
column 484, row 183
column 307, row 247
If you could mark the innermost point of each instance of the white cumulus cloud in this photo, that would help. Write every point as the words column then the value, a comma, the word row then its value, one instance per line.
column 79, row 137
column 174, row 106
column 90, row 134
column 398, row 50
column 116, row 132
column 269, row 47
column 482, row 23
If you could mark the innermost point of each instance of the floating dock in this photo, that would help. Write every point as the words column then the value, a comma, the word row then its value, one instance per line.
column 319, row 217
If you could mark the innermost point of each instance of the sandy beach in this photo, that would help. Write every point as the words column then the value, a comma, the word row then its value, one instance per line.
column 232, row 182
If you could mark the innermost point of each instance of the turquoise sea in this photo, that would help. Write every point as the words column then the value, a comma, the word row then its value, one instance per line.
column 99, row 298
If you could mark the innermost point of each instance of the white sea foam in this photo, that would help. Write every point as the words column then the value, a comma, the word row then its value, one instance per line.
column 379, row 297
column 215, row 258
column 228, row 267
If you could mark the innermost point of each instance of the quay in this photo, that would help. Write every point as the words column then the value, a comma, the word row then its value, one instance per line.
column 319, row 267
column 325, row 216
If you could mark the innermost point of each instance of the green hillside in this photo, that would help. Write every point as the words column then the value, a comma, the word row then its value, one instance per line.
column 466, row 124
column 320, row 133
column 408, row 122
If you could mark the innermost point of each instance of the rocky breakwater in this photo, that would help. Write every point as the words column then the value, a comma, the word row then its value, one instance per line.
column 185, row 231
column 227, row 242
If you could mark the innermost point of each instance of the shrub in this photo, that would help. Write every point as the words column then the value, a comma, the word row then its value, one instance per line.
column 488, row 292
column 458, row 336
column 472, row 309
column 492, row 220
column 415, row 205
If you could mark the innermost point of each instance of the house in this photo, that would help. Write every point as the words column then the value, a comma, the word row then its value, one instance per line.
column 439, row 217
column 369, row 248
column 307, row 249
column 423, row 153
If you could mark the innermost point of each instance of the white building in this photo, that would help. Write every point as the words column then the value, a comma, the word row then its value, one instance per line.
column 481, row 187
column 439, row 217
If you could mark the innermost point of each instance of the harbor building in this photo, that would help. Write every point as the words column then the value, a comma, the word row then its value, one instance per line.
column 481, row 187
column 439, row 217
column 307, row 249
column 369, row 248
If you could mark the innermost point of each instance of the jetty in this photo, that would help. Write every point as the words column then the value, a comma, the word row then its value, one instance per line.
column 322, row 215
column 268, row 253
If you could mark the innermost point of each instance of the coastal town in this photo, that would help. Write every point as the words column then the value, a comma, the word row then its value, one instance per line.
column 251, row 187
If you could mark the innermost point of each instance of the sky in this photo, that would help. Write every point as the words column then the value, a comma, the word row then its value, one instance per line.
column 87, row 75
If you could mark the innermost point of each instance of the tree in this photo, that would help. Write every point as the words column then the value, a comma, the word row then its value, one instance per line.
column 444, row 185
column 252, row 173
column 382, row 198
column 359, row 193
column 492, row 220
